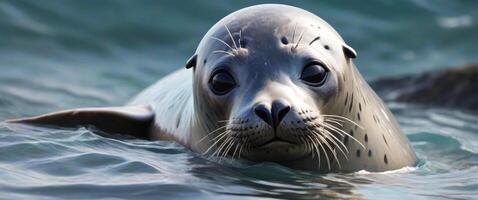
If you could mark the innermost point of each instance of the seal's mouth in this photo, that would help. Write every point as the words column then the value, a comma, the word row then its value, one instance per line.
column 276, row 149
column 275, row 141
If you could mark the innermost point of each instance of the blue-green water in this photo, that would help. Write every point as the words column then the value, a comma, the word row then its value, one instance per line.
column 65, row 54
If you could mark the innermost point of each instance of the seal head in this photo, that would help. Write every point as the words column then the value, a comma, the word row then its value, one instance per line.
column 270, row 83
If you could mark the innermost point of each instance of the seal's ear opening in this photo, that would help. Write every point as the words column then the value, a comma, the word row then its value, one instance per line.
column 191, row 61
column 349, row 51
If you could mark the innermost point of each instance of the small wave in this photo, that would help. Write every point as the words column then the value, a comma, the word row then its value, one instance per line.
column 407, row 169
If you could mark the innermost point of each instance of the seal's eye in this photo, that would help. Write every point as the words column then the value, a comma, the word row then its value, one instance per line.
column 314, row 74
column 221, row 82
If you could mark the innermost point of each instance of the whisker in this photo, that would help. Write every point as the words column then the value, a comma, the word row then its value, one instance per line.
column 332, row 137
column 342, row 145
column 334, row 121
column 219, row 150
column 300, row 38
column 328, row 134
column 215, row 137
column 231, row 143
column 341, row 132
column 242, row 147
column 222, row 41
column 293, row 35
column 338, row 161
column 332, row 151
column 304, row 140
column 240, row 36
column 227, row 144
column 223, row 145
column 210, row 134
column 309, row 142
column 222, row 135
column 341, row 117
column 308, row 145
column 317, row 151
column 335, row 143
column 221, row 51
column 316, row 148
column 230, row 35
column 325, row 152
column 312, row 143
column 339, row 141
column 236, row 144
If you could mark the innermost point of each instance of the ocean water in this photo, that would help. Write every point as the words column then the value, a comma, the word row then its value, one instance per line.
column 57, row 55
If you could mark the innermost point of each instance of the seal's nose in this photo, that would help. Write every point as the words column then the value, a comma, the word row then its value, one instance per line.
column 272, row 115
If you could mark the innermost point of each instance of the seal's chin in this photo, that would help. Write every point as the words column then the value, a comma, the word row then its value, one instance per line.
column 276, row 150
column 276, row 142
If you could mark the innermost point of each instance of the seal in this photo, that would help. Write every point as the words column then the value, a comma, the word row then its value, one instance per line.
column 266, row 83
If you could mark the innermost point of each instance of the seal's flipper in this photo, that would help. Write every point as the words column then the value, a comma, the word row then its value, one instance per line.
column 135, row 121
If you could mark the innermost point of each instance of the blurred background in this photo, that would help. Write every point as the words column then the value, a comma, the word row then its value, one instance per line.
column 56, row 55
column 91, row 53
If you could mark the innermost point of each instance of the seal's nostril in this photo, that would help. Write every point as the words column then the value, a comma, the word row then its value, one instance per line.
column 279, row 111
column 263, row 113
column 274, row 115
column 282, row 113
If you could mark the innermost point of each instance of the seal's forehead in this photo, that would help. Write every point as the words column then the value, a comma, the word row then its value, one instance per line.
column 267, row 20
